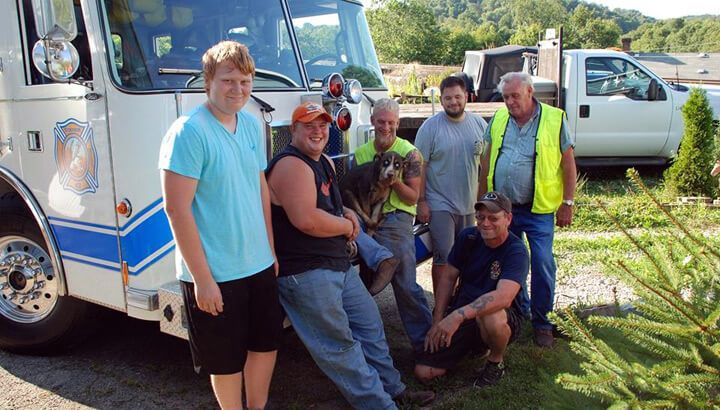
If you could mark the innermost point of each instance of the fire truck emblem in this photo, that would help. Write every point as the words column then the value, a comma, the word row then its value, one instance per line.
column 495, row 270
column 76, row 156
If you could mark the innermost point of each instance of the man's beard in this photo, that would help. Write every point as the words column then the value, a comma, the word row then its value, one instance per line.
column 455, row 114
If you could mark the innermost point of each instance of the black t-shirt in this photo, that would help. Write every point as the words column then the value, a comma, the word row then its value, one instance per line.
column 298, row 252
column 481, row 267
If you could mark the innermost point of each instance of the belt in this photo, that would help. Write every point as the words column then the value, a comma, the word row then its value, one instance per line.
column 526, row 205
column 398, row 211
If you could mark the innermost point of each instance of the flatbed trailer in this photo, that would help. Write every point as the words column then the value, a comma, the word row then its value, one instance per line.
column 413, row 115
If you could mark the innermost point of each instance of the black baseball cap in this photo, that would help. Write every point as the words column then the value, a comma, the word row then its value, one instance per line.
column 495, row 202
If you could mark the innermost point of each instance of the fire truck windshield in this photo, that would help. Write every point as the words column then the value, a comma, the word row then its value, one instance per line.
column 158, row 44
column 333, row 37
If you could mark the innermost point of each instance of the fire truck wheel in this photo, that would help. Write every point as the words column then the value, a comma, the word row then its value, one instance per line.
column 33, row 317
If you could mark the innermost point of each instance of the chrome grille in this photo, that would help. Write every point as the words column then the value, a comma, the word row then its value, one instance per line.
column 281, row 137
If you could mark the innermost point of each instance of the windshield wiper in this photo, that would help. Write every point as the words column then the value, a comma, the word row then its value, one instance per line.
column 195, row 74
column 186, row 71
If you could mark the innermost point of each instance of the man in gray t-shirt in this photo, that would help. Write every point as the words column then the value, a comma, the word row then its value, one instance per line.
column 451, row 143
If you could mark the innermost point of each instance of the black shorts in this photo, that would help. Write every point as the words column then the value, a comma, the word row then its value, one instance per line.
column 251, row 321
column 465, row 340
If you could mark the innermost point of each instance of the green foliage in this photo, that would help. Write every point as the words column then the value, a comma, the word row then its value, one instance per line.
column 716, row 155
column 405, row 31
column 117, row 46
column 527, row 35
column 439, row 31
column 676, row 325
column 586, row 30
column 433, row 80
column 456, row 42
column 367, row 77
column 690, row 171
column 413, row 84
column 316, row 40
column 678, row 35
column 623, row 201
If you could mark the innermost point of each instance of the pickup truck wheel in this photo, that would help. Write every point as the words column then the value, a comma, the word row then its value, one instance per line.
column 33, row 317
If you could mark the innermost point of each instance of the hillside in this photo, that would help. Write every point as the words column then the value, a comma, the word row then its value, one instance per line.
column 439, row 31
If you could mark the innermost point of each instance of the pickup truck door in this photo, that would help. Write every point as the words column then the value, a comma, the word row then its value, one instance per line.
column 614, row 117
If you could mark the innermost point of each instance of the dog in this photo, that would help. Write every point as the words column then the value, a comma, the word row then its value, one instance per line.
column 366, row 187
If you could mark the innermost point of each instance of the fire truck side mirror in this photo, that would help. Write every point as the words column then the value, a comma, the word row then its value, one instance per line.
column 57, row 60
column 55, row 19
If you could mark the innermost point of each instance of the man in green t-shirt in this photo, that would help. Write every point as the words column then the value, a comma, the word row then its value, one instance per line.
column 395, row 231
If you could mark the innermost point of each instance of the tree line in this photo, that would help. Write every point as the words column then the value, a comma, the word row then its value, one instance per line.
column 439, row 31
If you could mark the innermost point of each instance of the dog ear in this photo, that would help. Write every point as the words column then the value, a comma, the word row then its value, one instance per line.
column 378, row 157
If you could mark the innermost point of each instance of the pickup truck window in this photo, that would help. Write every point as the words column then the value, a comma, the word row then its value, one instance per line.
column 612, row 76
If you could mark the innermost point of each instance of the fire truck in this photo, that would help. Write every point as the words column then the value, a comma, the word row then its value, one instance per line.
column 88, row 89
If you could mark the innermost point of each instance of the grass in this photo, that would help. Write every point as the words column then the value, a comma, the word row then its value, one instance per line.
column 632, row 209
column 529, row 382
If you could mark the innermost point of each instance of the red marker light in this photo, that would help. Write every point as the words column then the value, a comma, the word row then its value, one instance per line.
column 333, row 85
column 343, row 118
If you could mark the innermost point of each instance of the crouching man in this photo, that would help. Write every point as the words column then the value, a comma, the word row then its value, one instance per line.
column 490, row 264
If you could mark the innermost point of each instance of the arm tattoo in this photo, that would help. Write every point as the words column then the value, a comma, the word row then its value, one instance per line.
column 414, row 164
column 480, row 303
column 461, row 312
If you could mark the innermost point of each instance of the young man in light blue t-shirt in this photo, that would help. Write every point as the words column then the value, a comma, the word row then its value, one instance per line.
column 212, row 165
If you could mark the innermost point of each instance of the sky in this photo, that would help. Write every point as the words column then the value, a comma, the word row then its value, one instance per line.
column 665, row 9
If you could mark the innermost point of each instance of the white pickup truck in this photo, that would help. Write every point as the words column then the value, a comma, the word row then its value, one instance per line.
column 619, row 111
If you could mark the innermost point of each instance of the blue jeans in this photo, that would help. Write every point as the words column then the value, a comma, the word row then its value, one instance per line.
column 395, row 233
column 371, row 252
column 539, row 230
column 340, row 325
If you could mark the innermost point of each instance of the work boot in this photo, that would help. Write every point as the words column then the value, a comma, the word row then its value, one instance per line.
column 543, row 337
column 490, row 374
column 418, row 398
column 383, row 275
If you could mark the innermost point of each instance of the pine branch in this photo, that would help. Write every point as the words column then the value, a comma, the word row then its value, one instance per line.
column 713, row 318
column 640, row 324
column 672, row 303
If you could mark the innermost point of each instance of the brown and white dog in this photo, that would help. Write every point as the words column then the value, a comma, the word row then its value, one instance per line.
column 366, row 187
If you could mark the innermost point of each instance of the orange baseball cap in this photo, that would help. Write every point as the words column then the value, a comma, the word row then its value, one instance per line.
column 308, row 111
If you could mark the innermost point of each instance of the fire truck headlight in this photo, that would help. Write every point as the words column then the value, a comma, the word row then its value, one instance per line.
column 352, row 90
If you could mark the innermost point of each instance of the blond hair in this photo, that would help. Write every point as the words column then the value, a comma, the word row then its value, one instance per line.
column 386, row 104
column 231, row 51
